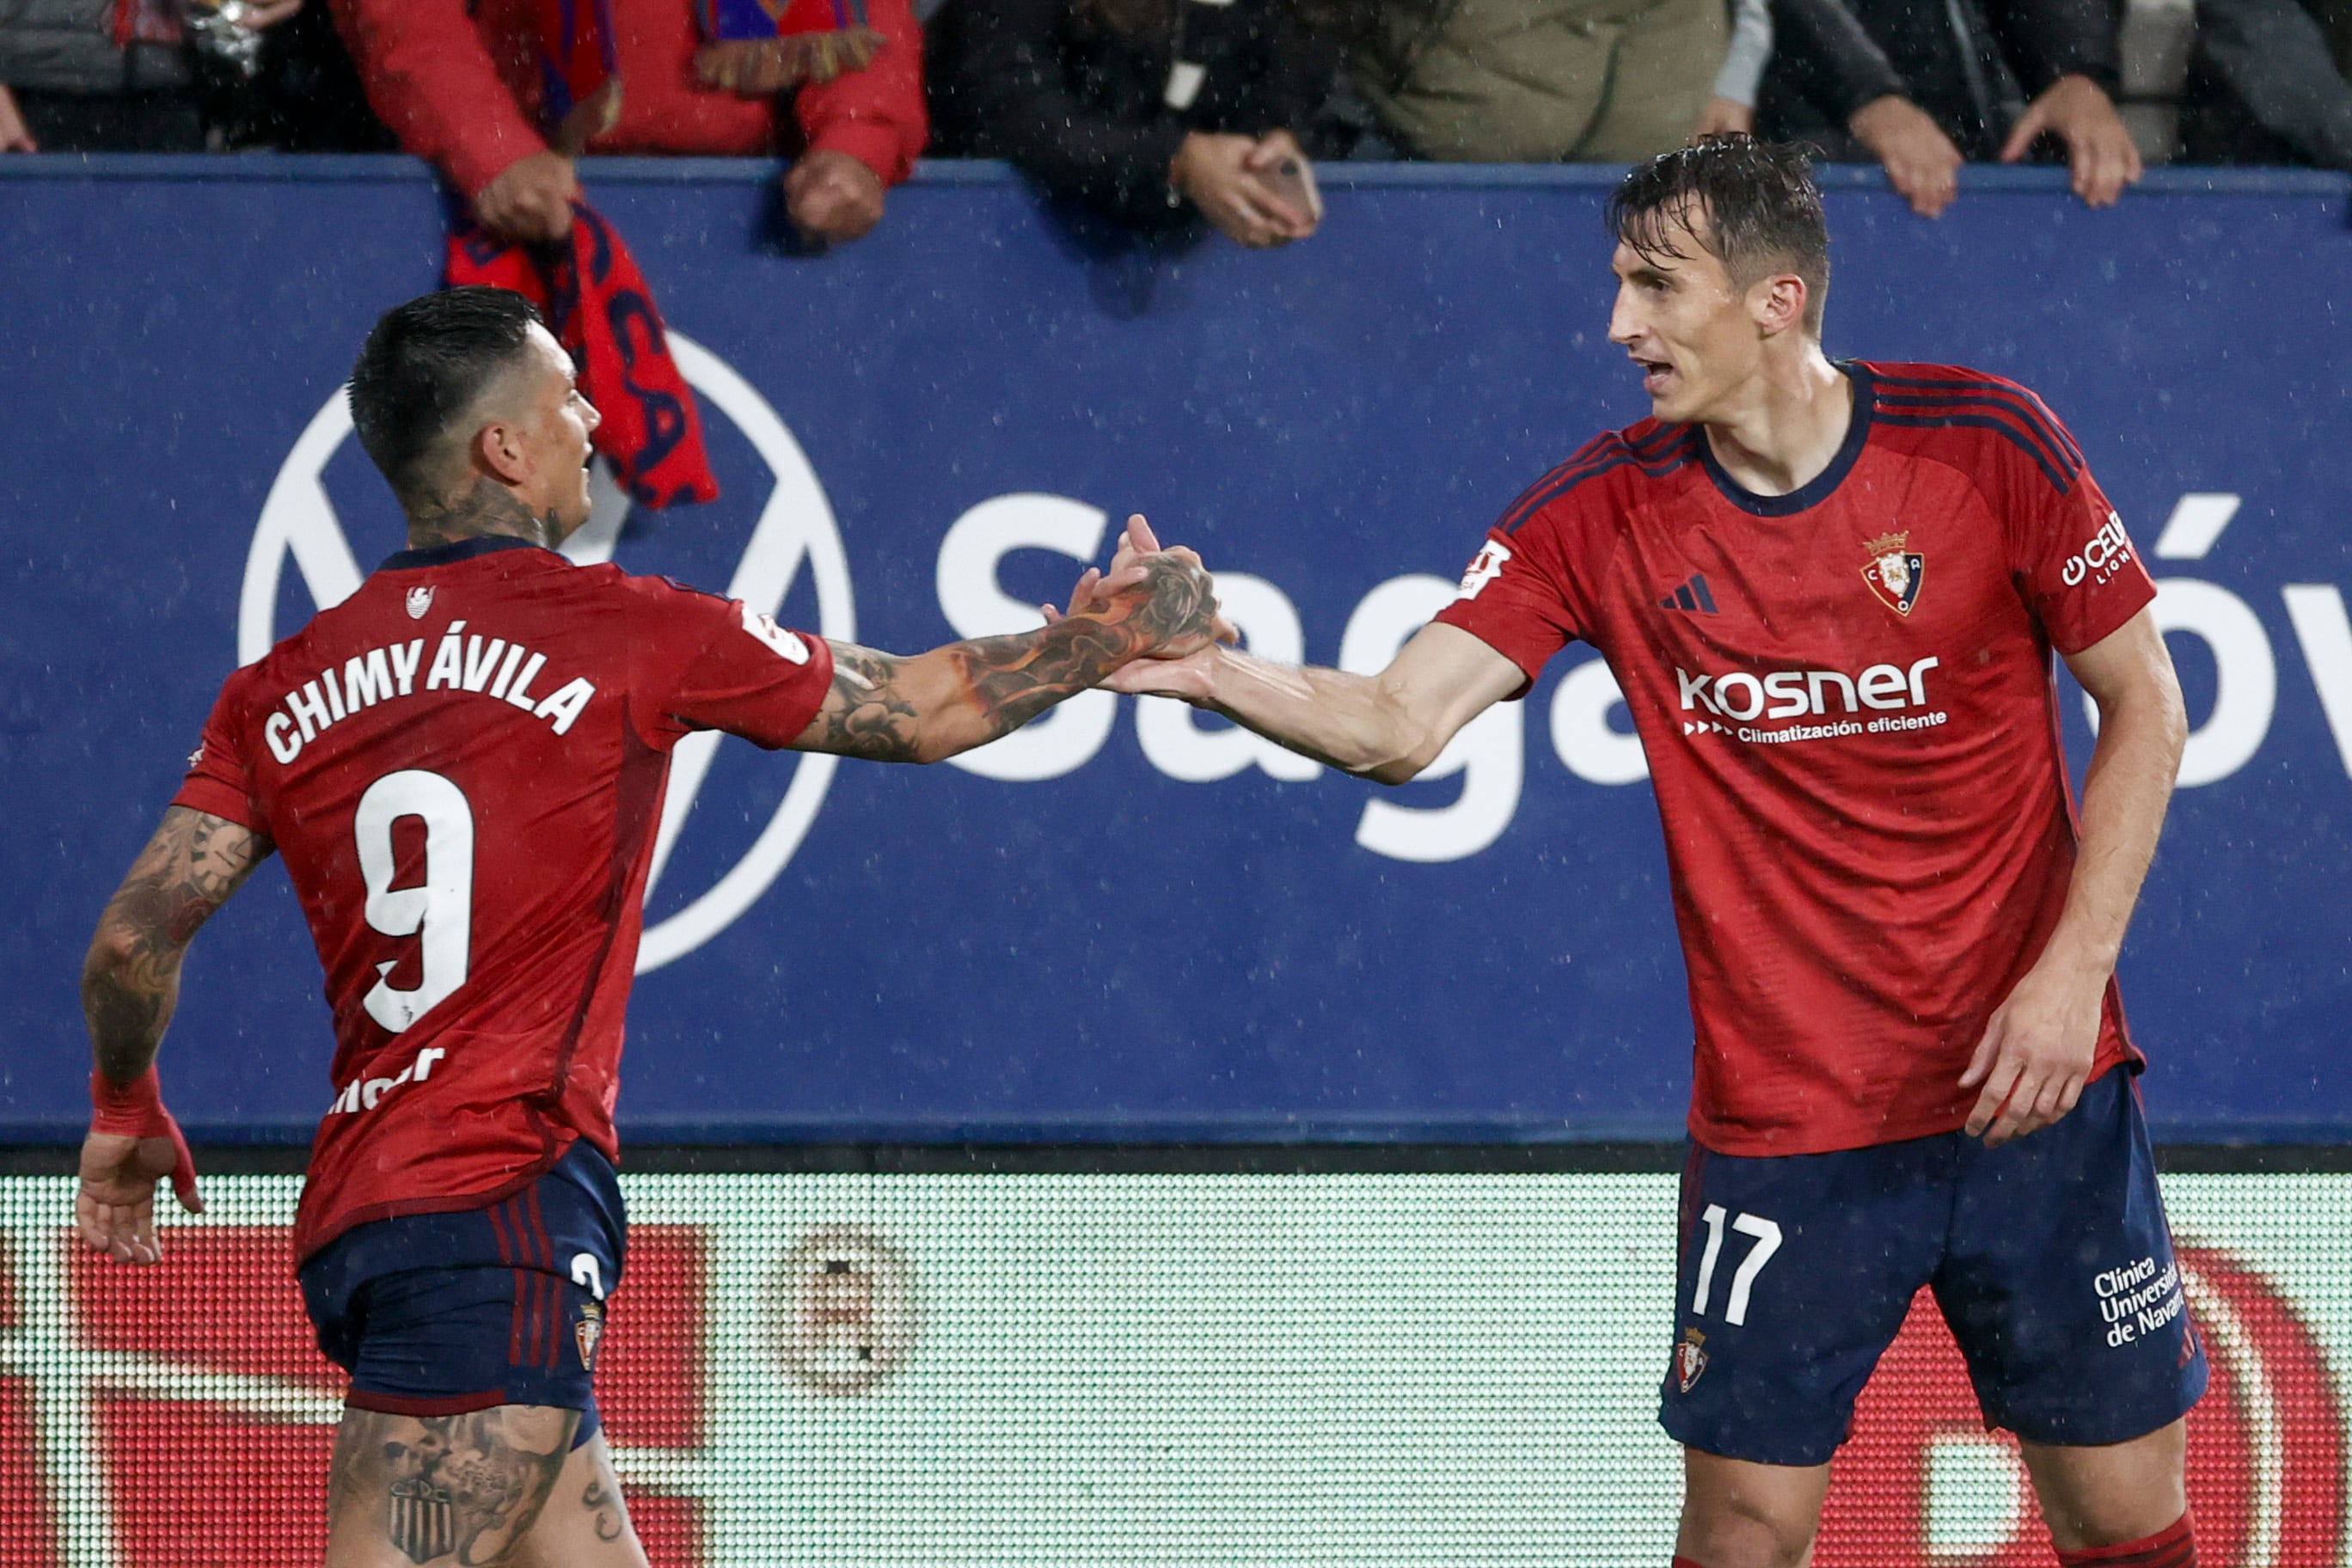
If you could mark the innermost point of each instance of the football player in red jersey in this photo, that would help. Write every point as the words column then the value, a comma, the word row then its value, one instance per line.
column 1829, row 593
column 462, row 766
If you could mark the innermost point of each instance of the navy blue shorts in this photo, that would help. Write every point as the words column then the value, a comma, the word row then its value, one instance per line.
column 2049, row 1256
column 438, row 1314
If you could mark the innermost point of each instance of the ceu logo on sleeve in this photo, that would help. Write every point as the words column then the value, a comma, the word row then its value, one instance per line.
column 795, row 530
column 2100, row 558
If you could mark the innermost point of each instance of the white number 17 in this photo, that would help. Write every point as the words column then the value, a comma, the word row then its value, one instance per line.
column 1768, row 1242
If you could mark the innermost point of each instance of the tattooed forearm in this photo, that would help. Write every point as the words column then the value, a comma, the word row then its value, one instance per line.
column 131, row 981
column 1013, row 679
column 466, row 1488
column 489, row 508
column 966, row 694
column 866, row 714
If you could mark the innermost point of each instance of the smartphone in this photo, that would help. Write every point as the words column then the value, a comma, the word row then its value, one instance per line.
column 1293, row 180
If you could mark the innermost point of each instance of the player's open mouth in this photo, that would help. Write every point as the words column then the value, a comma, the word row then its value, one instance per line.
column 1654, row 374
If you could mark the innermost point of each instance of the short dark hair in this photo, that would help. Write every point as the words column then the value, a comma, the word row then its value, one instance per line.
column 424, row 366
column 1763, row 210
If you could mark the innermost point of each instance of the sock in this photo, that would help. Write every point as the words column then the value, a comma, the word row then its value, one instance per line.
column 2172, row 1547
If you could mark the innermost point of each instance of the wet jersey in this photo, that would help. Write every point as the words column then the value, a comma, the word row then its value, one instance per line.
column 1846, row 698
column 463, row 767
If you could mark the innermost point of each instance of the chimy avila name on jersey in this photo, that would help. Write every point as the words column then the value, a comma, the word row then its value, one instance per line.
column 507, row 672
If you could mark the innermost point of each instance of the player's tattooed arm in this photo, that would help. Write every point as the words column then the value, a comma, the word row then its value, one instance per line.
column 464, row 1489
column 866, row 714
column 130, row 980
column 919, row 709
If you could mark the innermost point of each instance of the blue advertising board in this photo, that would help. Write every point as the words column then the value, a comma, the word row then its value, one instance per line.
column 1133, row 921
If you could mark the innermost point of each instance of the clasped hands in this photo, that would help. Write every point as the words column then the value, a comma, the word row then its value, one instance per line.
column 1187, row 628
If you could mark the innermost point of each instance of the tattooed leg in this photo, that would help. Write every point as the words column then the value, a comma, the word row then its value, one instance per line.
column 412, row 1491
column 586, row 1524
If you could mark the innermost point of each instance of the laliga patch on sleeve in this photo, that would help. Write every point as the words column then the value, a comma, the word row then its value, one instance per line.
column 1484, row 568
column 764, row 628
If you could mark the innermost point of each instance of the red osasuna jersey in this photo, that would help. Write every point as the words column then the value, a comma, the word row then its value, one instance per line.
column 463, row 766
column 1846, row 696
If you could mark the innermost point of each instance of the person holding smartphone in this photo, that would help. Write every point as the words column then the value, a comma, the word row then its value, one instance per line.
column 1162, row 115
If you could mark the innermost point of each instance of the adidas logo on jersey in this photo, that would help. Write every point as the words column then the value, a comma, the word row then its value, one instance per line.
column 1691, row 596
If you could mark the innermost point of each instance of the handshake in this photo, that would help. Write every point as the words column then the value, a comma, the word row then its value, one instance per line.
column 1163, row 602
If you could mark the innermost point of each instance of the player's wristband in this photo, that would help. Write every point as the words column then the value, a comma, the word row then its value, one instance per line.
column 135, row 1109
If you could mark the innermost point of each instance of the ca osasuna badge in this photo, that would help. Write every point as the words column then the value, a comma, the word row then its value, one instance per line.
column 587, row 1332
column 1690, row 1359
column 1894, row 572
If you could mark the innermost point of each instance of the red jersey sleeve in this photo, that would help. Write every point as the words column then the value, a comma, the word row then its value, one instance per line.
column 877, row 113
column 1519, row 595
column 701, row 662
column 2075, row 565
column 433, row 80
column 216, row 783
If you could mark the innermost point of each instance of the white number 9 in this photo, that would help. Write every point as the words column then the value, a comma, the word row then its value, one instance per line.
column 441, row 906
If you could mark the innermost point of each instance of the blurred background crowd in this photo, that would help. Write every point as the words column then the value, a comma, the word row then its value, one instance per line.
column 1172, row 117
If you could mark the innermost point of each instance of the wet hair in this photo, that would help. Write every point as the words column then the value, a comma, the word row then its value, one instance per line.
column 1763, row 211
column 422, row 368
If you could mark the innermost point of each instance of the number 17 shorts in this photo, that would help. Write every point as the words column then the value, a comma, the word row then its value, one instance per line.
column 2049, row 1256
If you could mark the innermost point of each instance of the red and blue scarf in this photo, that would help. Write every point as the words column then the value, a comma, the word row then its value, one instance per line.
column 595, row 299
column 759, row 47
column 579, row 72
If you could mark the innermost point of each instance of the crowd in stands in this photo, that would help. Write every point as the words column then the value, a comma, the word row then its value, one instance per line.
column 1168, row 117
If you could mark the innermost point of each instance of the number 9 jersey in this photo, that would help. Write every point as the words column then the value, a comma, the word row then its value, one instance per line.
column 463, row 766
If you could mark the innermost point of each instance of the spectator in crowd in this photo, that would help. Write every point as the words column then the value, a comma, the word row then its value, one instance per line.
column 305, row 95
column 1156, row 113
column 108, row 76
column 2269, row 82
column 1732, row 109
column 465, row 84
column 1922, row 86
column 1518, row 81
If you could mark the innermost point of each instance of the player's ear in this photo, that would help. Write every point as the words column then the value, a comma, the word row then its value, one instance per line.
column 1778, row 302
column 498, row 450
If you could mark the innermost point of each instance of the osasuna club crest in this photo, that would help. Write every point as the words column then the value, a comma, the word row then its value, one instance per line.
column 587, row 1332
column 1894, row 572
column 1690, row 1359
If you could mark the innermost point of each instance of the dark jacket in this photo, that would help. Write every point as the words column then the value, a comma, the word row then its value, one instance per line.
column 1971, row 66
column 67, row 46
column 1082, row 107
column 2262, row 88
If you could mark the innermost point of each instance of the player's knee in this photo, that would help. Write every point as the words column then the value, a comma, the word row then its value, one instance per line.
column 1744, row 1530
column 1745, row 1548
